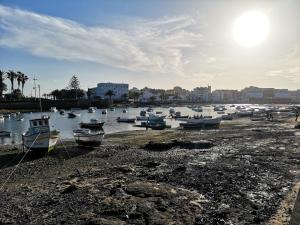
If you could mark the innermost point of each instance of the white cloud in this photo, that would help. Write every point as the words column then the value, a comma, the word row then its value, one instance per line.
column 153, row 46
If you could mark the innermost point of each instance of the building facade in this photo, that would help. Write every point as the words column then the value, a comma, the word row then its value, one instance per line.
column 120, row 91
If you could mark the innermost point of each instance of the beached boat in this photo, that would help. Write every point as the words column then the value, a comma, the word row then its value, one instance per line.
column 93, row 124
column 73, row 114
column 91, row 110
column 86, row 137
column 53, row 109
column 39, row 137
column 142, row 118
column 5, row 133
column 104, row 111
column 201, row 123
column 126, row 120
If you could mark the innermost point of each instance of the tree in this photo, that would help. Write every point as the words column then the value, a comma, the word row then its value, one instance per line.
column 3, row 86
column 74, row 84
column 11, row 75
column 19, row 78
column 110, row 93
column 23, row 80
column 152, row 98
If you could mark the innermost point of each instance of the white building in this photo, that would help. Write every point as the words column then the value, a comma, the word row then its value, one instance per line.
column 202, row 94
column 147, row 95
column 225, row 96
column 119, row 90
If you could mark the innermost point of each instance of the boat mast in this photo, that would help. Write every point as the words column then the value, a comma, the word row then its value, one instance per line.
column 40, row 98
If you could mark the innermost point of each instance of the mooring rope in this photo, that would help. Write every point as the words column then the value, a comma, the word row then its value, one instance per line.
column 18, row 163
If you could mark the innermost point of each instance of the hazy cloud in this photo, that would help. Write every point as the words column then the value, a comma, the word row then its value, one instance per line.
column 151, row 46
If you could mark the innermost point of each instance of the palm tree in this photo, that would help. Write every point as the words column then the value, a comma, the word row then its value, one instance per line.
column 11, row 75
column 23, row 81
column 110, row 93
column 19, row 78
column 3, row 86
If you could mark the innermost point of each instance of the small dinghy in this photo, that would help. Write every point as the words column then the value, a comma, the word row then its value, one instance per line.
column 93, row 124
column 73, row 114
column 91, row 110
column 86, row 137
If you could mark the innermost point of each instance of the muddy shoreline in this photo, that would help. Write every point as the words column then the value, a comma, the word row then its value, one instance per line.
column 247, row 175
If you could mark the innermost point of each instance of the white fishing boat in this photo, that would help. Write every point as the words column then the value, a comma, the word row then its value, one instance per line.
column 86, row 137
column 91, row 110
column 1, row 117
column 202, row 123
column 219, row 108
column 53, row 109
column 39, row 137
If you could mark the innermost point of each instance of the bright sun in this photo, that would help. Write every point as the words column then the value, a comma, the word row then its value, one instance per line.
column 251, row 28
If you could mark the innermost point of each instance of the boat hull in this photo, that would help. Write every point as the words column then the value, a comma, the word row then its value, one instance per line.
column 89, row 139
column 41, row 142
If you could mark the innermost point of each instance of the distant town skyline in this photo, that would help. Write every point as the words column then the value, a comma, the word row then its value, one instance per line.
column 159, row 44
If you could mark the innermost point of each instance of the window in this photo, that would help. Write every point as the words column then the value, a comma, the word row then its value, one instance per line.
column 40, row 123
column 34, row 123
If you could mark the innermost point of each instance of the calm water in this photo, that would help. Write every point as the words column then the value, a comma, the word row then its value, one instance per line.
column 66, row 125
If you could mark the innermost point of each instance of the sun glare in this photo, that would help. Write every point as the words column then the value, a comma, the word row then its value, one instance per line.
column 251, row 28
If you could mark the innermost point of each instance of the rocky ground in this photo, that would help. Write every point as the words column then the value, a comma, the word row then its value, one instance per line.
column 244, row 173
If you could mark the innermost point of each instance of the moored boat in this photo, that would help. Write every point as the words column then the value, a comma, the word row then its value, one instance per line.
column 73, row 114
column 53, row 109
column 91, row 110
column 86, row 137
column 39, row 137
column 93, row 124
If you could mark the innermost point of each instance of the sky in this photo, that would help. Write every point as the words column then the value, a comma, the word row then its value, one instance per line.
column 159, row 44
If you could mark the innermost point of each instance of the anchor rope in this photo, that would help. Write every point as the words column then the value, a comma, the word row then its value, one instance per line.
column 19, row 163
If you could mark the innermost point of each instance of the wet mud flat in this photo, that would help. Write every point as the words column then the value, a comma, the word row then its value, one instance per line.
column 244, row 173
